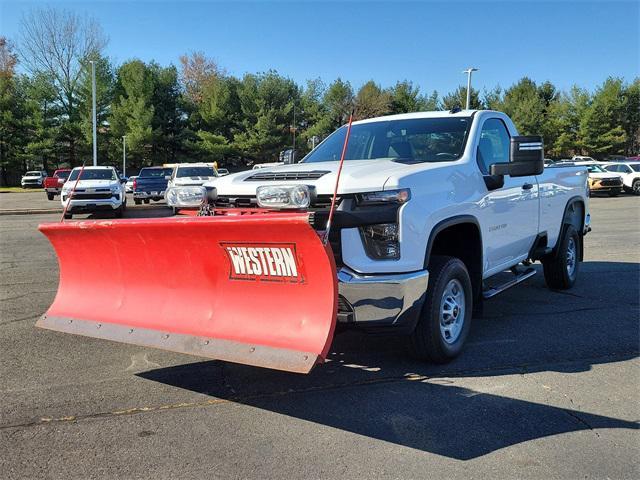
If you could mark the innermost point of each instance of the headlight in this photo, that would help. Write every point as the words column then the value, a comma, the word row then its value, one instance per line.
column 283, row 196
column 185, row 196
column 381, row 241
column 384, row 197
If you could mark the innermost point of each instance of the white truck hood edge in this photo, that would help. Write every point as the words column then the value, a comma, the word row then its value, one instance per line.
column 357, row 176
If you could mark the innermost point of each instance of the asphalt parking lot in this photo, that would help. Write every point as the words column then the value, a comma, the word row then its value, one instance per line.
column 548, row 387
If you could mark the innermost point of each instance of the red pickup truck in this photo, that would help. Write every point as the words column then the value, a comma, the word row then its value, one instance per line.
column 53, row 185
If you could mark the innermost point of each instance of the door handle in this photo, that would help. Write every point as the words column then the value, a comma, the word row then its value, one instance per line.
column 527, row 186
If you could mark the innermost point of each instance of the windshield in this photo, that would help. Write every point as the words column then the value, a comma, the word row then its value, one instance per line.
column 63, row 174
column 195, row 172
column 411, row 141
column 32, row 174
column 155, row 172
column 91, row 174
column 596, row 169
column 635, row 167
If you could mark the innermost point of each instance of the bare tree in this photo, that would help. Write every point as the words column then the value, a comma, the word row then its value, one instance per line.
column 59, row 43
column 8, row 59
column 197, row 70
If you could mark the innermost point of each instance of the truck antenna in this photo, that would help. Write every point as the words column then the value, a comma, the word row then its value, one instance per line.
column 335, row 190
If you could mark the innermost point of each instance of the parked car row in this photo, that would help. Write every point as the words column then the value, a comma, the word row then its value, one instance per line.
column 611, row 178
column 102, row 188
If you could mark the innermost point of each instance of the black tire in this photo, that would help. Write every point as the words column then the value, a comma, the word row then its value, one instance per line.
column 428, row 341
column 119, row 211
column 635, row 187
column 147, row 201
column 50, row 196
column 557, row 274
column 137, row 201
column 68, row 216
column 614, row 193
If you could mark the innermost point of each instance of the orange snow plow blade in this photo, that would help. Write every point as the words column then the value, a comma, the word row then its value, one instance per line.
column 256, row 289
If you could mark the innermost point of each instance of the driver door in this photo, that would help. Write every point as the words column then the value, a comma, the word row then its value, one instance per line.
column 510, row 213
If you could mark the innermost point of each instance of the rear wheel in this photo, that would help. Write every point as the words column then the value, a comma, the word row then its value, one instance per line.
column 561, row 269
column 50, row 196
column 146, row 200
column 445, row 320
column 137, row 201
column 635, row 187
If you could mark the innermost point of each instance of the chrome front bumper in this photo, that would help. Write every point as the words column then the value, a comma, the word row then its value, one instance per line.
column 380, row 301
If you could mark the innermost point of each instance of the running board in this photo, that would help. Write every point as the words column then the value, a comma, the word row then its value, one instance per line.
column 518, row 278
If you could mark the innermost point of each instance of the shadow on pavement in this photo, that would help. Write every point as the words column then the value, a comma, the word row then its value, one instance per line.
column 410, row 403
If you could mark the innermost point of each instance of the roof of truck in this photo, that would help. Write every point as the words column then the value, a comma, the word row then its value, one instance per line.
column 432, row 114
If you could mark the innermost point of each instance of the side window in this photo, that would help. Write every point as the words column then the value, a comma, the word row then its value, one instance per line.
column 624, row 169
column 494, row 144
column 612, row 168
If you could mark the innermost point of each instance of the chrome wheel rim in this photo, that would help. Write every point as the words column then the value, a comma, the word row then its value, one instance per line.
column 571, row 256
column 636, row 188
column 452, row 310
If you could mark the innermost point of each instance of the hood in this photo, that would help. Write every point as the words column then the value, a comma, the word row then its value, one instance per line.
column 603, row 175
column 90, row 184
column 357, row 176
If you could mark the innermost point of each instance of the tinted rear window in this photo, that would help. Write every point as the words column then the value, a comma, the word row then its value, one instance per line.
column 195, row 172
column 155, row 172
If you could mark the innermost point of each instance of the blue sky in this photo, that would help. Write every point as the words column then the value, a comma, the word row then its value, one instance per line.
column 427, row 42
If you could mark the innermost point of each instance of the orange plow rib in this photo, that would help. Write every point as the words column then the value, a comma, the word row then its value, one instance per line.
column 254, row 289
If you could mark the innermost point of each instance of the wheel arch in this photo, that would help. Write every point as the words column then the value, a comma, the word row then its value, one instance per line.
column 574, row 215
column 460, row 237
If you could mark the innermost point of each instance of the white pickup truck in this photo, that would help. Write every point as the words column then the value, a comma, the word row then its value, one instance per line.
column 435, row 209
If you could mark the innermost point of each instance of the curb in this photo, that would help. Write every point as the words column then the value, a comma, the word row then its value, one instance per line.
column 40, row 211
column 29, row 212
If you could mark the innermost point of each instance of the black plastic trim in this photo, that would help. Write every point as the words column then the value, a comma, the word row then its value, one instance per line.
column 450, row 222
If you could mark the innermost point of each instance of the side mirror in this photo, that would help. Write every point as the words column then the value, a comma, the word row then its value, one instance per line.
column 526, row 157
column 123, row 180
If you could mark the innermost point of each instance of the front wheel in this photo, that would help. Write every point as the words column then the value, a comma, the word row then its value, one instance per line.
column 635, row 187
column 561, row 268
column 445, row 320
column 50, row 196
column 137, row 201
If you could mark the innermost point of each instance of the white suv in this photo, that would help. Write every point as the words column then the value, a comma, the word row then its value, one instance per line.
column 630, row 173
column 33, row 178
column 97, row 189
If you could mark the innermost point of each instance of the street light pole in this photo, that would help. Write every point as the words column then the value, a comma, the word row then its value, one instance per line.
column 468, row 71
column 124, row 155
column 93, row 105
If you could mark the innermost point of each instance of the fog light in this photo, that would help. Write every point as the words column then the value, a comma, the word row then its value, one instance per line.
column 283, row 196
column 185, row 197
column 381, row 241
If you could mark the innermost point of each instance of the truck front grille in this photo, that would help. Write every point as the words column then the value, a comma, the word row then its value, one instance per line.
column 93, row 196
column 322, row 203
